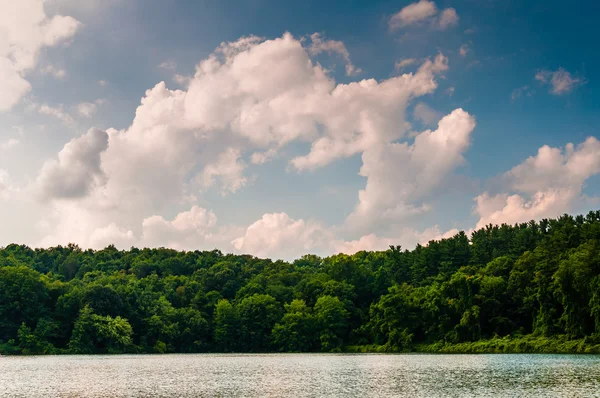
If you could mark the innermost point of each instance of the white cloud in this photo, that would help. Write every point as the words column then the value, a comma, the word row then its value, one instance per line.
column 168, row 65
column 248, row 99
column 57, row 112
column 546, row 185
column 182, row 80
column 413, row 13
column 57, row 73
column 24, row 31
column 229, row 169
column 188, row 229
column 319, row 45
column 77, row 169
column 407, row 238
column 464, row 50
column 391, row 195
column 102, row 83
column 365, row 114
column 9, row 144
column 425, row 114
column 6, row 186
column 87, row 109
column 279, row 236
column 423, row 11
column 112, row 234
column 263, row 157
column 448, row 18
column 400, row 65
column 521, row 91
column 561, row 81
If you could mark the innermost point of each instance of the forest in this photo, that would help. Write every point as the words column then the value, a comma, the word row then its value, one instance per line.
column 531, row 287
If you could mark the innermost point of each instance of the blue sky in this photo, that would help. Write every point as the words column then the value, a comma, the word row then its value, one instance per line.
column 514, row 81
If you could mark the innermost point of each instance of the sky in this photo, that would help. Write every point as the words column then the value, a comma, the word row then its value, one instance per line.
column 279, row 129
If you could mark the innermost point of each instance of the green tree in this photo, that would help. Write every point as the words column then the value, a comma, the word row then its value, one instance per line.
column 297, row 331
column 97, row 334
column 258, row 315
column 332, row 320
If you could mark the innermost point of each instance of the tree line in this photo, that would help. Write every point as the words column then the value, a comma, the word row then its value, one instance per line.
column 536, row 279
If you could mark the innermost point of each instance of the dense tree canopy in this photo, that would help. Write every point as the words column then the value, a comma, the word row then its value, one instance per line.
column 536, row 279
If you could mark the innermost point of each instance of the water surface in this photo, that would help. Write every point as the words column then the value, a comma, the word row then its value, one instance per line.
column 301, row 375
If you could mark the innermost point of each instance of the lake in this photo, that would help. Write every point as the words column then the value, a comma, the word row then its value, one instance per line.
column 301, row 375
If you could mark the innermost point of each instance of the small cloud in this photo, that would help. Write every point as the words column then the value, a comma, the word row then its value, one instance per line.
column 450, row 91
column 87, row 109
column 319, row 45
column 57, row 112
column 11, row 143
column 426, row 115
column 182, row 80
column 473, row 64
column 412, row 14
column 448, row 18
column 561, row 81
column 470, row 31
column 464, row 50
column 57, row 73
column 263, row 157
column 102, row 83
column 168, row 65
column 422, row 12
column 520, row 92
column 404, row 63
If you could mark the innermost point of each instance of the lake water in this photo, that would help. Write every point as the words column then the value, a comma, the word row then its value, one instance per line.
column 301, row 375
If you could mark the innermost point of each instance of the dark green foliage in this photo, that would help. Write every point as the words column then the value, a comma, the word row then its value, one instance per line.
column 532, row 287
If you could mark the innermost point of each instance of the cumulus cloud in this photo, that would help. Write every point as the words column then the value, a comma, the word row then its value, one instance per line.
column 423, row 11
column 543, row 186
column 561, row 81
column 391, row 195
column 520, row 92
column 245, row 102
column 229, row 169
column 24, row 30
column 279, row 236
column 6, row 185
column 403, row 63
column 319, row 45
column 263, row 157
column 447, row 18
column 112, row 234
column 9, row 144
column 168, row 65
column 52, row 70
column 365, row 114
column 188, row 229
column 407, row 238
column 87, row 109
column 57, row 112
column 425, row 114
column 77, row 169
column 413, row 13
column 464, row 50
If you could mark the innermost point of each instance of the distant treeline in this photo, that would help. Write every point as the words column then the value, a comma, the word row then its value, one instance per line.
column 504, row 286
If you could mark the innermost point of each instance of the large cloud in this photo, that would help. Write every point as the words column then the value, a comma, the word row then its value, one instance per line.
column 546, row 185
column 77, row 169
column 245, row 102
column 24, row 30
column 400, row 176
